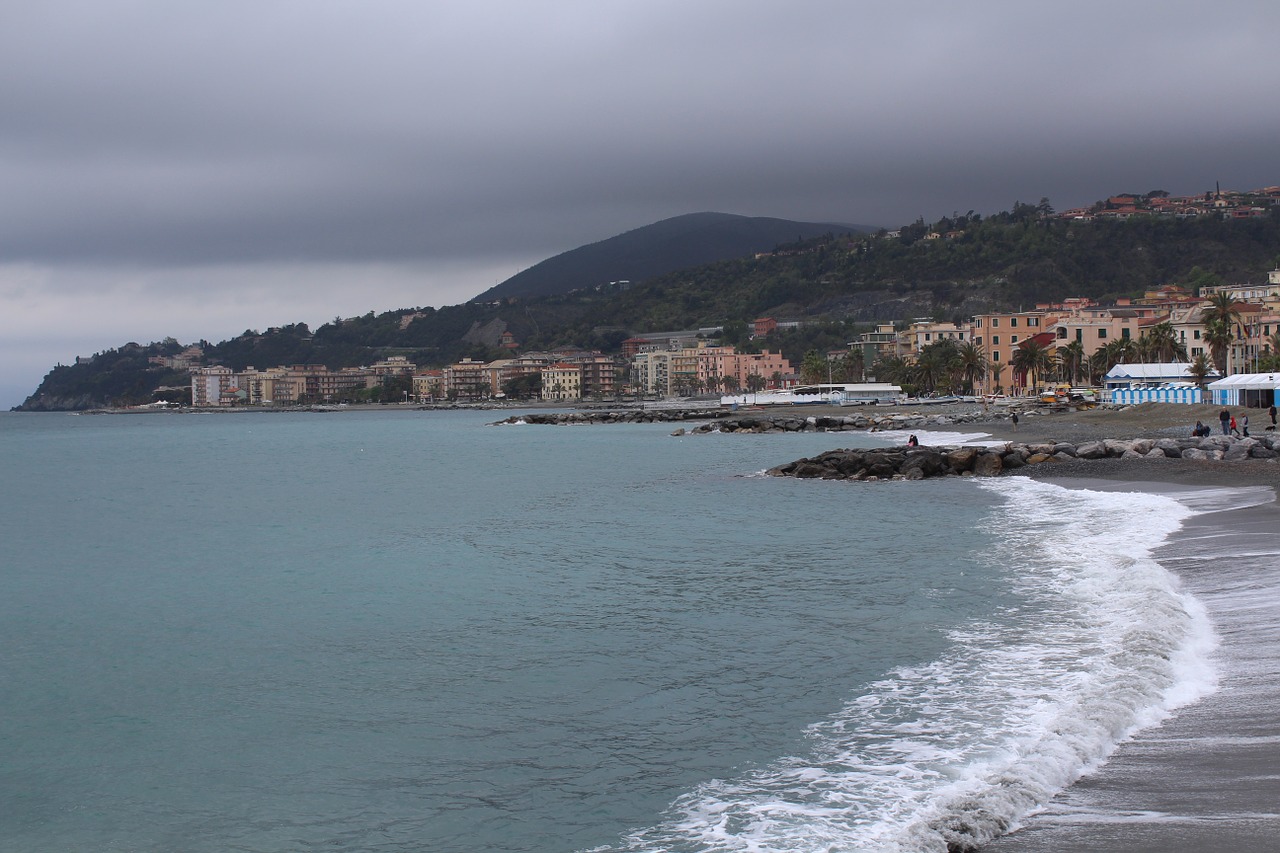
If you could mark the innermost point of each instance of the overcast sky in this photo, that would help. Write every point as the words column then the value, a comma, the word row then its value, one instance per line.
column 195, row 169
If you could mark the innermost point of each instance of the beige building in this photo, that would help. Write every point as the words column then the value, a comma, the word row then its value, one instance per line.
column 562, row 382
column 467, row 380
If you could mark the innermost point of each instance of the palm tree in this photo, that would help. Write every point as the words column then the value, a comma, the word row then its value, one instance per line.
column 1218, row 336
column 1034, row 359
column 1199, row 370
column 814, row 367
column 1071, row 357
column 1119, row 351
column 851, row 365
column 934, row 366
column 972, row 363
column 996, row 370
column 1219, row 318
column 1162, row 343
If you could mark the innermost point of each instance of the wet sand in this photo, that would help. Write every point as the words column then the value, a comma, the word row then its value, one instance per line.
column 1208, row 778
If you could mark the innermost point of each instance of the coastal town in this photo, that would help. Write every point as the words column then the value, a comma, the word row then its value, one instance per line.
column 1168, row 337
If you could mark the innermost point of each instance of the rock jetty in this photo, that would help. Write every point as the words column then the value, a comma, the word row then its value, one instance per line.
column 723, row 420
column 628, row 416
column 840, row 423
column 917, row 463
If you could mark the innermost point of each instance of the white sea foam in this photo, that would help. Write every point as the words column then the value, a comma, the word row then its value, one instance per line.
column 939, row 438
column 946, row 755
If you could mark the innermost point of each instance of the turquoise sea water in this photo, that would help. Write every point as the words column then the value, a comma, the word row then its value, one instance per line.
column 410, row 631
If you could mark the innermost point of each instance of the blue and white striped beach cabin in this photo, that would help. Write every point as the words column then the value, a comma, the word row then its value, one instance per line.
column 1168, row 382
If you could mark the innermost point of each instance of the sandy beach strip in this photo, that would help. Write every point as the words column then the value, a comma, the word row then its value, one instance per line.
column 1208, row 778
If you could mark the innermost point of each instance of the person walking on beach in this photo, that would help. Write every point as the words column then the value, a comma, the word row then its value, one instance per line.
column 1234, row 429
column 1244, row 425
column 1225, row 417
column 1014, row 418
column 1272, row 411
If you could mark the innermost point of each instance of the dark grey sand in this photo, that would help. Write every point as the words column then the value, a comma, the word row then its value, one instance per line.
column 1207, row 779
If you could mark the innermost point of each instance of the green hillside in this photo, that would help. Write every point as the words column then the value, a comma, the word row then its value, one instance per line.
column 835, row 283
column 672, row 244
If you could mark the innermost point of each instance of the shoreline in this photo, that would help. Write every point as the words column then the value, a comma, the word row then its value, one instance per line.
column 1205, row 778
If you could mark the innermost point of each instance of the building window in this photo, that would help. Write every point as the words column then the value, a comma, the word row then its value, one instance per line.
column 995, row 357
column 1013, row 340
column 1124, row 333
column 1196, row 334
column 1013, row 322
column 995, row 340
column 1102, row 334
column 995, row 322
column 1080, row 334
column 1062, row 333
column 1033, row 321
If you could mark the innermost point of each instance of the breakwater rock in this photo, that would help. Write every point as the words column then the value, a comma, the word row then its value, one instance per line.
column 917, row 463
column 629, row 416
column 840, row 423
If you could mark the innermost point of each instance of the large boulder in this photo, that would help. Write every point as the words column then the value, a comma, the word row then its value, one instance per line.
column 1235, row 452
column 961, row 459
column 988, row 464
column 928, row 461
column 1091, row 450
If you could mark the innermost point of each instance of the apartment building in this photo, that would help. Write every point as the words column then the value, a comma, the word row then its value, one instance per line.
column 562, row 382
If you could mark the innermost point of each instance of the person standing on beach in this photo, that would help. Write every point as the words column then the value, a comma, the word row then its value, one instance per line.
column 1225, row 417
column 1014, row 418
column 1272, row 411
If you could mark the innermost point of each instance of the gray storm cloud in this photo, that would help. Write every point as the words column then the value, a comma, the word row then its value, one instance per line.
column 144, row 135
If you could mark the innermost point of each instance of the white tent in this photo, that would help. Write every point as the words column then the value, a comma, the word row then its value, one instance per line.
column 1257, row 390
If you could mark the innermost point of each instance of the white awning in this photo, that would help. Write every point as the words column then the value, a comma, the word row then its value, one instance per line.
column 1246, row 380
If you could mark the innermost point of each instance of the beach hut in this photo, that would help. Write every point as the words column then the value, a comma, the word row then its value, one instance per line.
column 1251, row 390
column 1168, row 382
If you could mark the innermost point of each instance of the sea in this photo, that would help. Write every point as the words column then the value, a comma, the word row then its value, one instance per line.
column 403, row 630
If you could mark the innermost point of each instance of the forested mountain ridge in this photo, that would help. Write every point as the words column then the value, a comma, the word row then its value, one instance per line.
column 837, row 284
column 666, row 246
